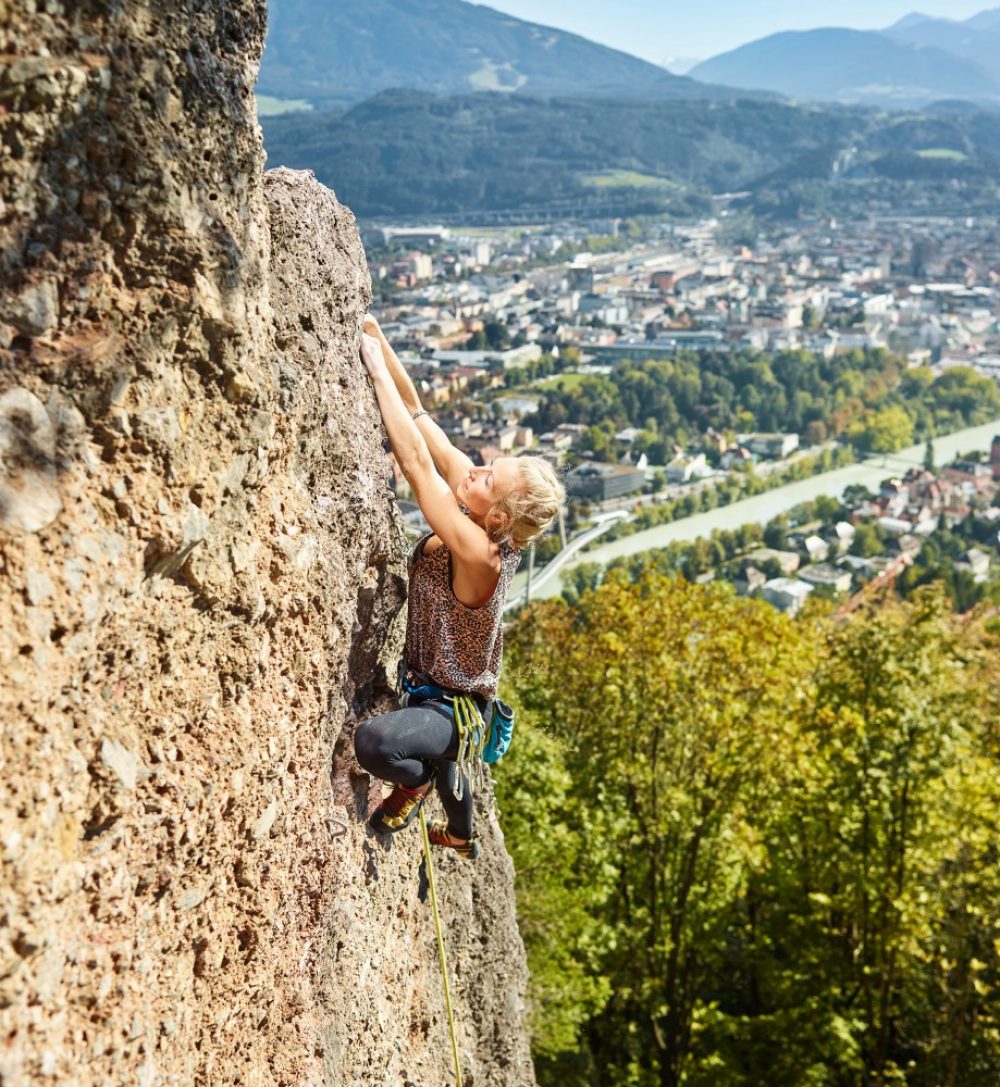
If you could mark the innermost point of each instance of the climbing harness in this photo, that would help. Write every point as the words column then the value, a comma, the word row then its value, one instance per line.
column 440, row 942
column 485, row 728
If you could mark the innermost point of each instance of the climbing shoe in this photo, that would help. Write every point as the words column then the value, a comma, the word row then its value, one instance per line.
column 399, row 808
column 438, row 834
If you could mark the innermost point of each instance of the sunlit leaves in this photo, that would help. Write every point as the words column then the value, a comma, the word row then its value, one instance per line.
column 757, row 851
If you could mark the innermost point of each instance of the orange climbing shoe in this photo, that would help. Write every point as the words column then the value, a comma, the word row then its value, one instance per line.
column 399, row 808
column 439, row 835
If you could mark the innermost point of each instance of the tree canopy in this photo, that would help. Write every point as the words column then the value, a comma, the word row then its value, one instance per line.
column 755, row 850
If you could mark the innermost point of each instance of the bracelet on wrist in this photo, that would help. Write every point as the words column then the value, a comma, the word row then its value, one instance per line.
column 416, row 415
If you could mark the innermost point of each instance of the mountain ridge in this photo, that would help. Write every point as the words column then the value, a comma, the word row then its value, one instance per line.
column 854, row 66
column 976, row 39
column 345, row 53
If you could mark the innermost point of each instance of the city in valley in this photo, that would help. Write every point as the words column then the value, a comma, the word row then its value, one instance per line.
column 662, row 367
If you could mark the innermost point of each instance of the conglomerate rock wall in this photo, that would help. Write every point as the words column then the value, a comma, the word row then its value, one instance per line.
column 202, row 581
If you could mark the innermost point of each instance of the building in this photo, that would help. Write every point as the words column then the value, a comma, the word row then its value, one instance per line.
column 510, row 359
column 598, row 482
column 506, row 438
column 420, row 266
column 410, row 235
column 481, row 254
column 786, row 594
column 816, row 548
column 894, row 527
column 626, row 350
column 774, row 446
column 976, row 562
column 788, row 561
column 752, row 580
column 841, row 536
column 683, row 468
column 580, row 277
column 517, row 405
column 831, row 577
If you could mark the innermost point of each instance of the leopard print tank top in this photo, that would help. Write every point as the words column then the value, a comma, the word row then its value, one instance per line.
column 456, row 646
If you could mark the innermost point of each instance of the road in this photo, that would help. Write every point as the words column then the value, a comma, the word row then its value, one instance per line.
column 519, row 588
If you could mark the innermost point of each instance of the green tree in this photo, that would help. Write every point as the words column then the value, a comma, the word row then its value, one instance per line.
column 559, row 904
column 875, row 824
column 676, row 749
column 885, row 431
column 868, row 540
column 496, row 335
column 776, row 531
column 816, row 432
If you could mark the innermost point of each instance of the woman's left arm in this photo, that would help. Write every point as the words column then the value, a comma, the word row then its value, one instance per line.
column 407, row 442
column 467, row 541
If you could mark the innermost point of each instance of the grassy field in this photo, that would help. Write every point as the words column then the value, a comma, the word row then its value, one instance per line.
column 942, row 153
column 559, row 381
column 275, row 107
column 627, row 179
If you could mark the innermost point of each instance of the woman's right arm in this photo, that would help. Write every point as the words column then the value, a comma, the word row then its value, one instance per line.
column 477, row 557
column 452, row 463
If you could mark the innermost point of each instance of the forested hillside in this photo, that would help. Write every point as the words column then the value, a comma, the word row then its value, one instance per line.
column 752, row 850
column 411, row 153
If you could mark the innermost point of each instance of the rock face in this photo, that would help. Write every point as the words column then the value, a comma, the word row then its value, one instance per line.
column 202, row 592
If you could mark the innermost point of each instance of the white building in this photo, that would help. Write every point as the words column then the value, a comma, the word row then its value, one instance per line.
column 683, row 468
column 786, row 594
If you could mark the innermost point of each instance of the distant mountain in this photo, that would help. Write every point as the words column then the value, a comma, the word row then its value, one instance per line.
column 965, row 107
column 345, row 51
column 976, row 39
column 853, row 66
column 680, row 65
column 911, row 20
column 985, row 20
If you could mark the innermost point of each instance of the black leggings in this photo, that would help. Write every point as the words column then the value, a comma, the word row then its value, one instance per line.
column 406, row 746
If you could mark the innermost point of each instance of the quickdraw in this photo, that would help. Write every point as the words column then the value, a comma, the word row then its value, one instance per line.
column 472, row 734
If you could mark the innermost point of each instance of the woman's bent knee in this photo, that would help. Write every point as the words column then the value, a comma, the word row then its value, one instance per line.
column 368, row 743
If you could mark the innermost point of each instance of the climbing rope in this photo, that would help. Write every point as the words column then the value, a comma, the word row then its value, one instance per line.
column 440, row 940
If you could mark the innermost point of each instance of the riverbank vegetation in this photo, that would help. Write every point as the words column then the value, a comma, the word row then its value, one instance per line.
column 736, row 486
column 942, row 559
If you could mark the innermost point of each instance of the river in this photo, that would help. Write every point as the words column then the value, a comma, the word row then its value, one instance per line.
column 762, row 507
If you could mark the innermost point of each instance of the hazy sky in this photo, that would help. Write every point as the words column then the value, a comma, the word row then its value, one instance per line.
column 657, row 29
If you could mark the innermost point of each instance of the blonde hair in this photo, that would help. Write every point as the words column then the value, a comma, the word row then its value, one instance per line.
column 528, row 509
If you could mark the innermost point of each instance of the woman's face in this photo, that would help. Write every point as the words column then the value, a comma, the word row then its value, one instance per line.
column 483, row 487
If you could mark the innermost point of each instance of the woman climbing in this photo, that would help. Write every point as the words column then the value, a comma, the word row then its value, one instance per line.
column 480, row 518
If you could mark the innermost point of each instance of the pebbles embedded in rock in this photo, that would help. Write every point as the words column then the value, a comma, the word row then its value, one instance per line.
column 29, row 495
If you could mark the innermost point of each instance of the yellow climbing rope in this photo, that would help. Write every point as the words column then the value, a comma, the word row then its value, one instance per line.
column 440, row 940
